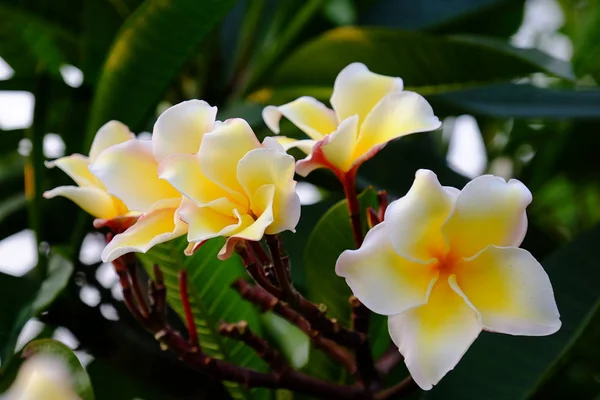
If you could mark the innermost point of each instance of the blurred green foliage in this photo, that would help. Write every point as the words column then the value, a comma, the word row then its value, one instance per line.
column 539, row 118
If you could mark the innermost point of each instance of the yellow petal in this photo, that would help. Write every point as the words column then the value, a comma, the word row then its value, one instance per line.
column 262, row 201
column 305, row 145
column 397, row 114
column 205, row 223
column 222, row 149
column 152, row 228
column 511, row 291
column 488, row 211
column 179, row 130
column 384, row 281
column 416, row 219
column 264, row 167
column 92, row 200
column 184, row 173
column 434, row 337
column 335, row 151
column 77, row 167
column 111, row 133
column 308, row 114
column 129, row 172
column 357, row 90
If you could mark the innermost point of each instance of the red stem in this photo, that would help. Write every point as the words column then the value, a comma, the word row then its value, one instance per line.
column 348, row 181
column 187, row 309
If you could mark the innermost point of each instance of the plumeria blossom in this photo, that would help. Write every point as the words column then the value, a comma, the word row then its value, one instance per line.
column 90, row 193
column 445, row 264
column 234, row 186
column 368, row 111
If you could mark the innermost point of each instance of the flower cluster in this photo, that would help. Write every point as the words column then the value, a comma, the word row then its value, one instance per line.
column 443, row 264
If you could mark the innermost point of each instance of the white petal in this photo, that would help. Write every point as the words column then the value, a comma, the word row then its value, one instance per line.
column 511, row 290
column 109, row 134
column 488, row 211
column 357, row 90
column 308, row 114
column 434, row 337
column 305, row 145
column 338, row 147
column 77, row 167
column 415, row 221
column 397, row 114
column 384, row 281
column 179, row 130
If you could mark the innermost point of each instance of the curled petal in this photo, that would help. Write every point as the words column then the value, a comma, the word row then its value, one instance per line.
column 255, row 229
column 152, row 228
column 357, row 90
column 511, row 290
column 415, row 221
column 434, row 337
column 308, row 114
column 384, row 281
column 92, row 200
column 179, row 130
column 111, row 133
column 77, row 167
column 306, row 145
column 488, row 211
column 184, row 173
column 222, row 149
column 397, row 114
column 205, row 223
column 129, row 171
column 269, row 167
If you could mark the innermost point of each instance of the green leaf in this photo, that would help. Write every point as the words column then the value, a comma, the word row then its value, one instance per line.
column 27, row 301
column 212, row 299
column 149, row 51
column 81, row 381
column 511, row 367
column 330, row 237
column 427, row 63
column 511, row 100
column 293, row 344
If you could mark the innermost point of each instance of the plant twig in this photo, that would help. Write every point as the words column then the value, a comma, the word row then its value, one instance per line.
column 187, row 310
column 402, row 388
column 389, row 360
column 364, row 359
column 242, row 332
column 281, row 265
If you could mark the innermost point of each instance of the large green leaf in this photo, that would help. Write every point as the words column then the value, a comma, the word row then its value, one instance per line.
column 149, row 51
column 428, row 64
column 511, row 367
column 27, row 300
column 81, row 381
column 330, row 237
column 213, row 300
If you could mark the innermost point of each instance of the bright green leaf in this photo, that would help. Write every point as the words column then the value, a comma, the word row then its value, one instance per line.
column 291, row 341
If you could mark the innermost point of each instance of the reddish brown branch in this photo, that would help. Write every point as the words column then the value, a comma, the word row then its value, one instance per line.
column 383, row 200
column 389, row 360
column 400, row 389
column 364, row 359
column 187, row 310
column 241, row 331
column 281, row 266
column 348, row 181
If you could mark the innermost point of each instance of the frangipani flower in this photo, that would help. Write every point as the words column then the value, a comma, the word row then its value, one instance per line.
column 234, row 186
column 445, row 264
column 130, row 172
column 90, row 193
column 369, row 110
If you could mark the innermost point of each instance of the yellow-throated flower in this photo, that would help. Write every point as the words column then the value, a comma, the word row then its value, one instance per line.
column 234, row 186
column 90, row 193
column 369, row 110
column 445, row 264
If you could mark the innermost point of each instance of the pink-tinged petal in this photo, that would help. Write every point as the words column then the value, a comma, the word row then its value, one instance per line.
column 129, row 171
column 184, row 173
column 308, row 114
column 205, row 223
column 92, row 200
column 511, row 290
column 397, row 114
column 384, row 281
column 269, row 167
column 415, row 221
column 334, row 151
column 434, row 337
column 155, row 227
column 488, row 211
column 111, row 133
column 222, row 149
column 357, row 90
column 179, row 130
column 77, row 167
